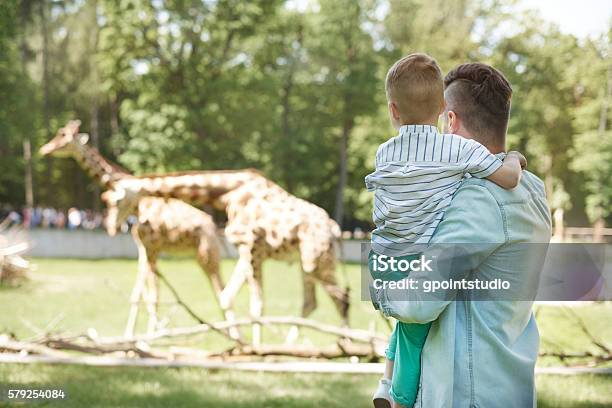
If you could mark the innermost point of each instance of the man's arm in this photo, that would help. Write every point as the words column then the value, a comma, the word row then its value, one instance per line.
column 474, row 219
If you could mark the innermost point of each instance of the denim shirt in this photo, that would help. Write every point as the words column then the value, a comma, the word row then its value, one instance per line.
column 481, row 353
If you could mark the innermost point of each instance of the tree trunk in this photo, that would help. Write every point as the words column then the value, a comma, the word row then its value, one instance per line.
column 95, row 141
column 114, row 119
column 95, row 134
column 347, row 124
column 603, row 115
column 343, row 171
column 27, row 158
column 95, row 131
column 294, row 57
column 559, row 227
column 598, row 228
column 46, row 94
column 286, row 111
column 27, row 146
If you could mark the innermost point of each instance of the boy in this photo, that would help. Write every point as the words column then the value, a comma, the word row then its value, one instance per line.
column 417, row 173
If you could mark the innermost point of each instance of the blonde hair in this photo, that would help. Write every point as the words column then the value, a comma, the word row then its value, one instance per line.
column 414, row 83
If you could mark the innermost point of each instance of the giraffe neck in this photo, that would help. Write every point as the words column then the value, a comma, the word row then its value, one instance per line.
column 196, row 186
column 99, row 168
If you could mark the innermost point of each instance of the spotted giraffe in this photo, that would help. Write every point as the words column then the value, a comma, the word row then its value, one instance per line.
column 264, row 221
column 163, row 224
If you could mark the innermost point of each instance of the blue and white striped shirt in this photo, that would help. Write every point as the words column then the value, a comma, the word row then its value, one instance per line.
column 417, row 173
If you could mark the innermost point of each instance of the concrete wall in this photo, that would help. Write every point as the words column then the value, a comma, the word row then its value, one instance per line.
column 50, row 243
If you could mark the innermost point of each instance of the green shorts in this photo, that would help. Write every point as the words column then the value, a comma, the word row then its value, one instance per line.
column 405, row 347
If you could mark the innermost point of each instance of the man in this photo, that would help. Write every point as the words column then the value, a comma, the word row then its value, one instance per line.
column 479, row 353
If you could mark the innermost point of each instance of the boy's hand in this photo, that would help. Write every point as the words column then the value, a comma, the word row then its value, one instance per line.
column 522, row 160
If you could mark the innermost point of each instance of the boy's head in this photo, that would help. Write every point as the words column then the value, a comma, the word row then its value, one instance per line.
column 415, row 90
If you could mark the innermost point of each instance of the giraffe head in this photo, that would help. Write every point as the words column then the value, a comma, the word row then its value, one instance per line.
column 66, row 140
column 121, row 202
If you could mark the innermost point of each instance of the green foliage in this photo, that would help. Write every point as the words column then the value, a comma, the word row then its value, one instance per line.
column 176, row 85
column 15, row 121
column 593, row 157
column 158, row 140
column 592, row 150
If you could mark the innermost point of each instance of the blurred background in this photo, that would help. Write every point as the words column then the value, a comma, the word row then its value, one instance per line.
column 293, row 88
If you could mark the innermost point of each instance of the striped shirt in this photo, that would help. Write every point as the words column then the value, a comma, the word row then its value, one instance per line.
column 417, row 173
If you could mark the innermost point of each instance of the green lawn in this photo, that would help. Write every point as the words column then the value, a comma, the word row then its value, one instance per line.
column 82, row 294
column 85, row 293
column 187, row 387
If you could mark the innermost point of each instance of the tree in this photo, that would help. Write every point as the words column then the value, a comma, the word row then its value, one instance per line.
column 535, row 61
column 344, row 53
column 592, row 152
column 187, row 57
column 294, row 91
column 16, row 120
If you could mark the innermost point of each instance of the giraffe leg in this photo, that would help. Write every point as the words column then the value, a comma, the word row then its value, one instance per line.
column 135, row 298
column 308, row 306
column 310, row 294
column 152, row 293
column 326, row 275
column 208, row 258
column 233, row 286
column 322, row 266
column 139, row 286
column 250, row 266
column 256, row 304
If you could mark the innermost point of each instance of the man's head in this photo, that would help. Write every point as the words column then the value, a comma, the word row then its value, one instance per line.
column 415, row 90
column 478, row 104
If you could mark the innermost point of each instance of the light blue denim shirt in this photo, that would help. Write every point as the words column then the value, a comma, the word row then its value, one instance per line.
column 481, row 353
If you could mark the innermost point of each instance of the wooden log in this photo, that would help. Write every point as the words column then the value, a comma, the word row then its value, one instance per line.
column 357, row 335
column 9, row 345
column 91, row 347
column 339, row 350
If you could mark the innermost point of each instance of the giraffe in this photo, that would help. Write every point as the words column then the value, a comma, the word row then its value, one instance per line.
column 68, row 142
column 264, row 221
column 163, row 224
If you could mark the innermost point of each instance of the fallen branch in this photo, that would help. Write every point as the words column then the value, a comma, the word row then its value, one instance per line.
column 597, row 358
column 339, row 350
column 184, row 305
column 13, row 346
column 357, row 335
column 351, row 342
column 91, row 347
column 55, row 347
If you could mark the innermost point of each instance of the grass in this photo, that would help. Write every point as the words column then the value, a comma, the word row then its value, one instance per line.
column 79, row 294
column 559, row 331
column 188, row 387
column 85, row 293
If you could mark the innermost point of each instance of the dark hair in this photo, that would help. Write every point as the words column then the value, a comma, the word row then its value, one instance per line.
column 480, row 95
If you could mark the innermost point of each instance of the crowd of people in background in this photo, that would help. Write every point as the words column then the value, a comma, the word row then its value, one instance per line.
column 75, row 218
column 46, row 217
